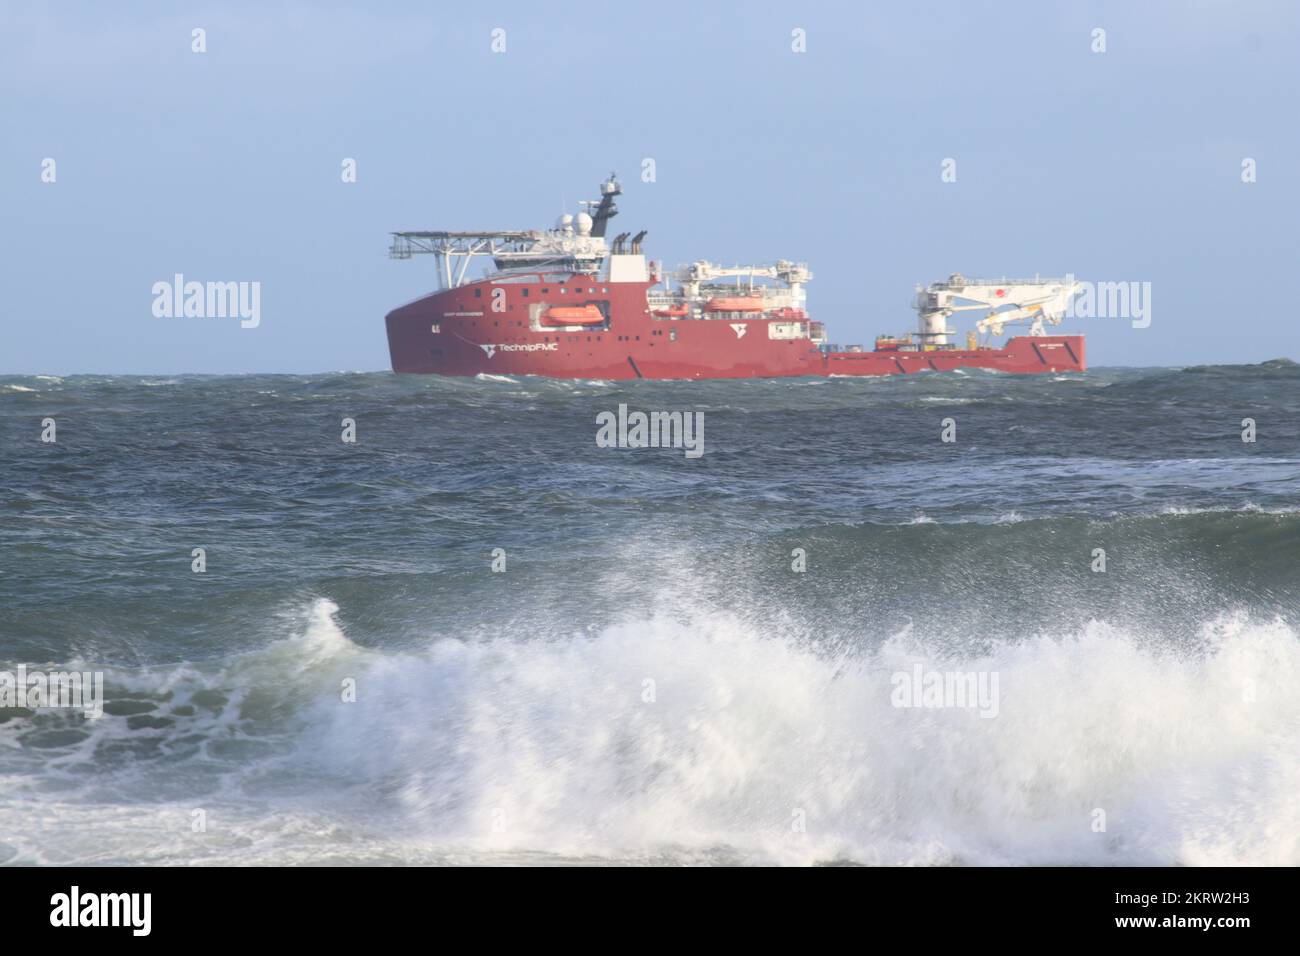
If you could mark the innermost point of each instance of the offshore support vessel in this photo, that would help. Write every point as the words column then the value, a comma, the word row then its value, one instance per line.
column 566, row 303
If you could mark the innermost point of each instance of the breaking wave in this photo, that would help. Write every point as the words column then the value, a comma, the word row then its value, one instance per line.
column 685, row 737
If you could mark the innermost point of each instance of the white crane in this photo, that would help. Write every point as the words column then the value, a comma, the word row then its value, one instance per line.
column 1006, row 301
column 791, row 274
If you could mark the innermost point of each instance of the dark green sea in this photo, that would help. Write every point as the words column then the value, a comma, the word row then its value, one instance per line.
column 650, row 679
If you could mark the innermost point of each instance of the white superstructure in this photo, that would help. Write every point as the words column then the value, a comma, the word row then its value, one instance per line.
column 576, row 244
column 703, row 281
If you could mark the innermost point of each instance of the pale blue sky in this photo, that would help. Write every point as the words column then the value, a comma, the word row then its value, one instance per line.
column 225, row 166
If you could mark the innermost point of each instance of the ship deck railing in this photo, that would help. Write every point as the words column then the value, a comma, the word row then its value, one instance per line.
column 1004, row 280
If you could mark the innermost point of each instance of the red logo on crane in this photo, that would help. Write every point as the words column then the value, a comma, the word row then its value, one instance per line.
column 1000, row 293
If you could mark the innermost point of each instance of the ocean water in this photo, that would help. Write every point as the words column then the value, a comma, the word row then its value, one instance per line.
column 649, row 680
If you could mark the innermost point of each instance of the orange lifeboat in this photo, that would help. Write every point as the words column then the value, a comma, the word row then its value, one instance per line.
column 736, row 304
column 672, row 312
column 573, row 315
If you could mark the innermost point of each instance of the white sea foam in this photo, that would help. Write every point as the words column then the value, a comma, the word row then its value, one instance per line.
column 490, row 749
column 744, row 731
column 1248, row 507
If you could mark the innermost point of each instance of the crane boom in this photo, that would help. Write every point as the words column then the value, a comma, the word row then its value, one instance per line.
column 1005, row 302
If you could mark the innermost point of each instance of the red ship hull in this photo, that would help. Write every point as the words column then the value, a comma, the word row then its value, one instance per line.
column 492, row 327
column 1023, row 354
